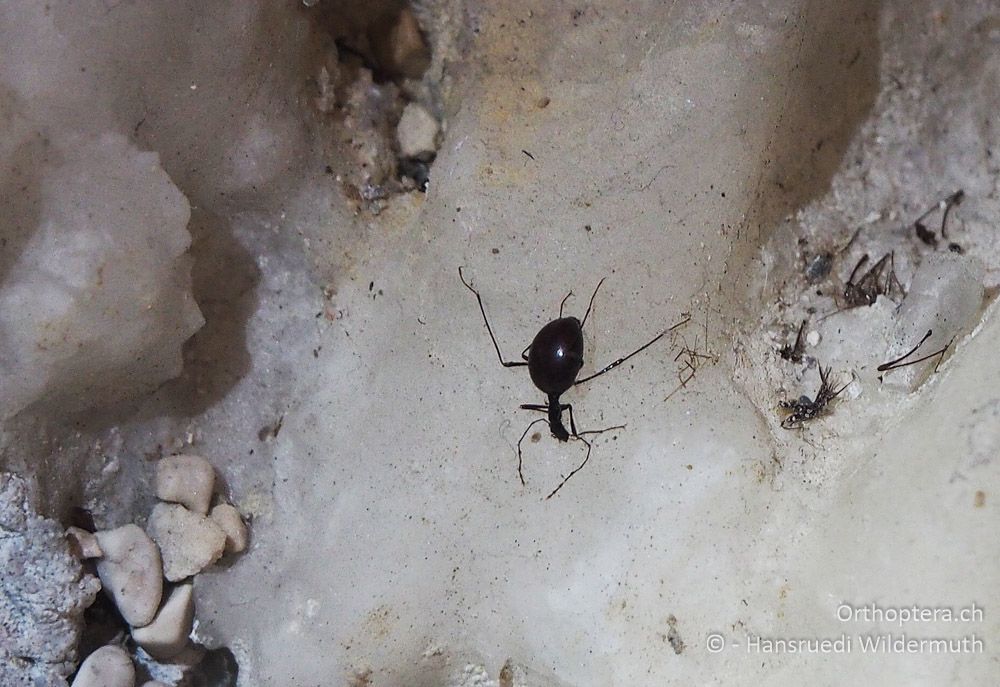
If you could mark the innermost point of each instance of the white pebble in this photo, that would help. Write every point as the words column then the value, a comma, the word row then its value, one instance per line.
column 83, row 543
column 109, row 666
column 131, row 573
column 812, row 338
column 417, row 132
column 167, row 635
column 229, row 519
column 189, row 542
column 187, row 480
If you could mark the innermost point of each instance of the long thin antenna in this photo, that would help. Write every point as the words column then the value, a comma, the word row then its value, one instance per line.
column 591, row 305
column 564, row 302
column 635, row 352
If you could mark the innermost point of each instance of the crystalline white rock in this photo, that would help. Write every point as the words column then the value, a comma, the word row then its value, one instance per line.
column 95, row 300
column 945, row 298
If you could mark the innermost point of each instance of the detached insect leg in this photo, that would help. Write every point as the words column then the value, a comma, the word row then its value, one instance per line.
column 479, row 298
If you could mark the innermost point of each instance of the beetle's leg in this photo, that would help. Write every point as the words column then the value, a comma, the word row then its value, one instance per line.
column 572, row 425
column 576, row 470
column 479, row 298
column 599, row 431
column 575, row 434
column 533, row 423
column 524, row 353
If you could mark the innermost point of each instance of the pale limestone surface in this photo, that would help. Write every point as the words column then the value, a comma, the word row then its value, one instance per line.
column 682, row 150
column 131, row 572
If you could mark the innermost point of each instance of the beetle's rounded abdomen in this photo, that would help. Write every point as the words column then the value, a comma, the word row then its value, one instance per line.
column 556, row 355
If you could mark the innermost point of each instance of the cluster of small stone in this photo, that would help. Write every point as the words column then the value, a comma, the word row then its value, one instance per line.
column 377, row 84
column 186, row 534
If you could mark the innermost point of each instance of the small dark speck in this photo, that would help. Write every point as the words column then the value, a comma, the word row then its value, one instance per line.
column 496, row 251
column 371, row 285
column 589, row 228
column 328, row 169
column 955, row 248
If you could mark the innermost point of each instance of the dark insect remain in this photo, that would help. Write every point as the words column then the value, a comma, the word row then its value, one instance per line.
column 929, row 237
column 554, row 359
column 902, row 362
column 805, row 409
column 878, row 281
column 794, row 352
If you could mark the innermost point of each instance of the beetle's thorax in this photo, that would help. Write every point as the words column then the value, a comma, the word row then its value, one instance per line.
column 555, row 419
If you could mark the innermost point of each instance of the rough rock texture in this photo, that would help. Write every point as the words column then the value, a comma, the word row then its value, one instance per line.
column 189, row 542
column 43, row 593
